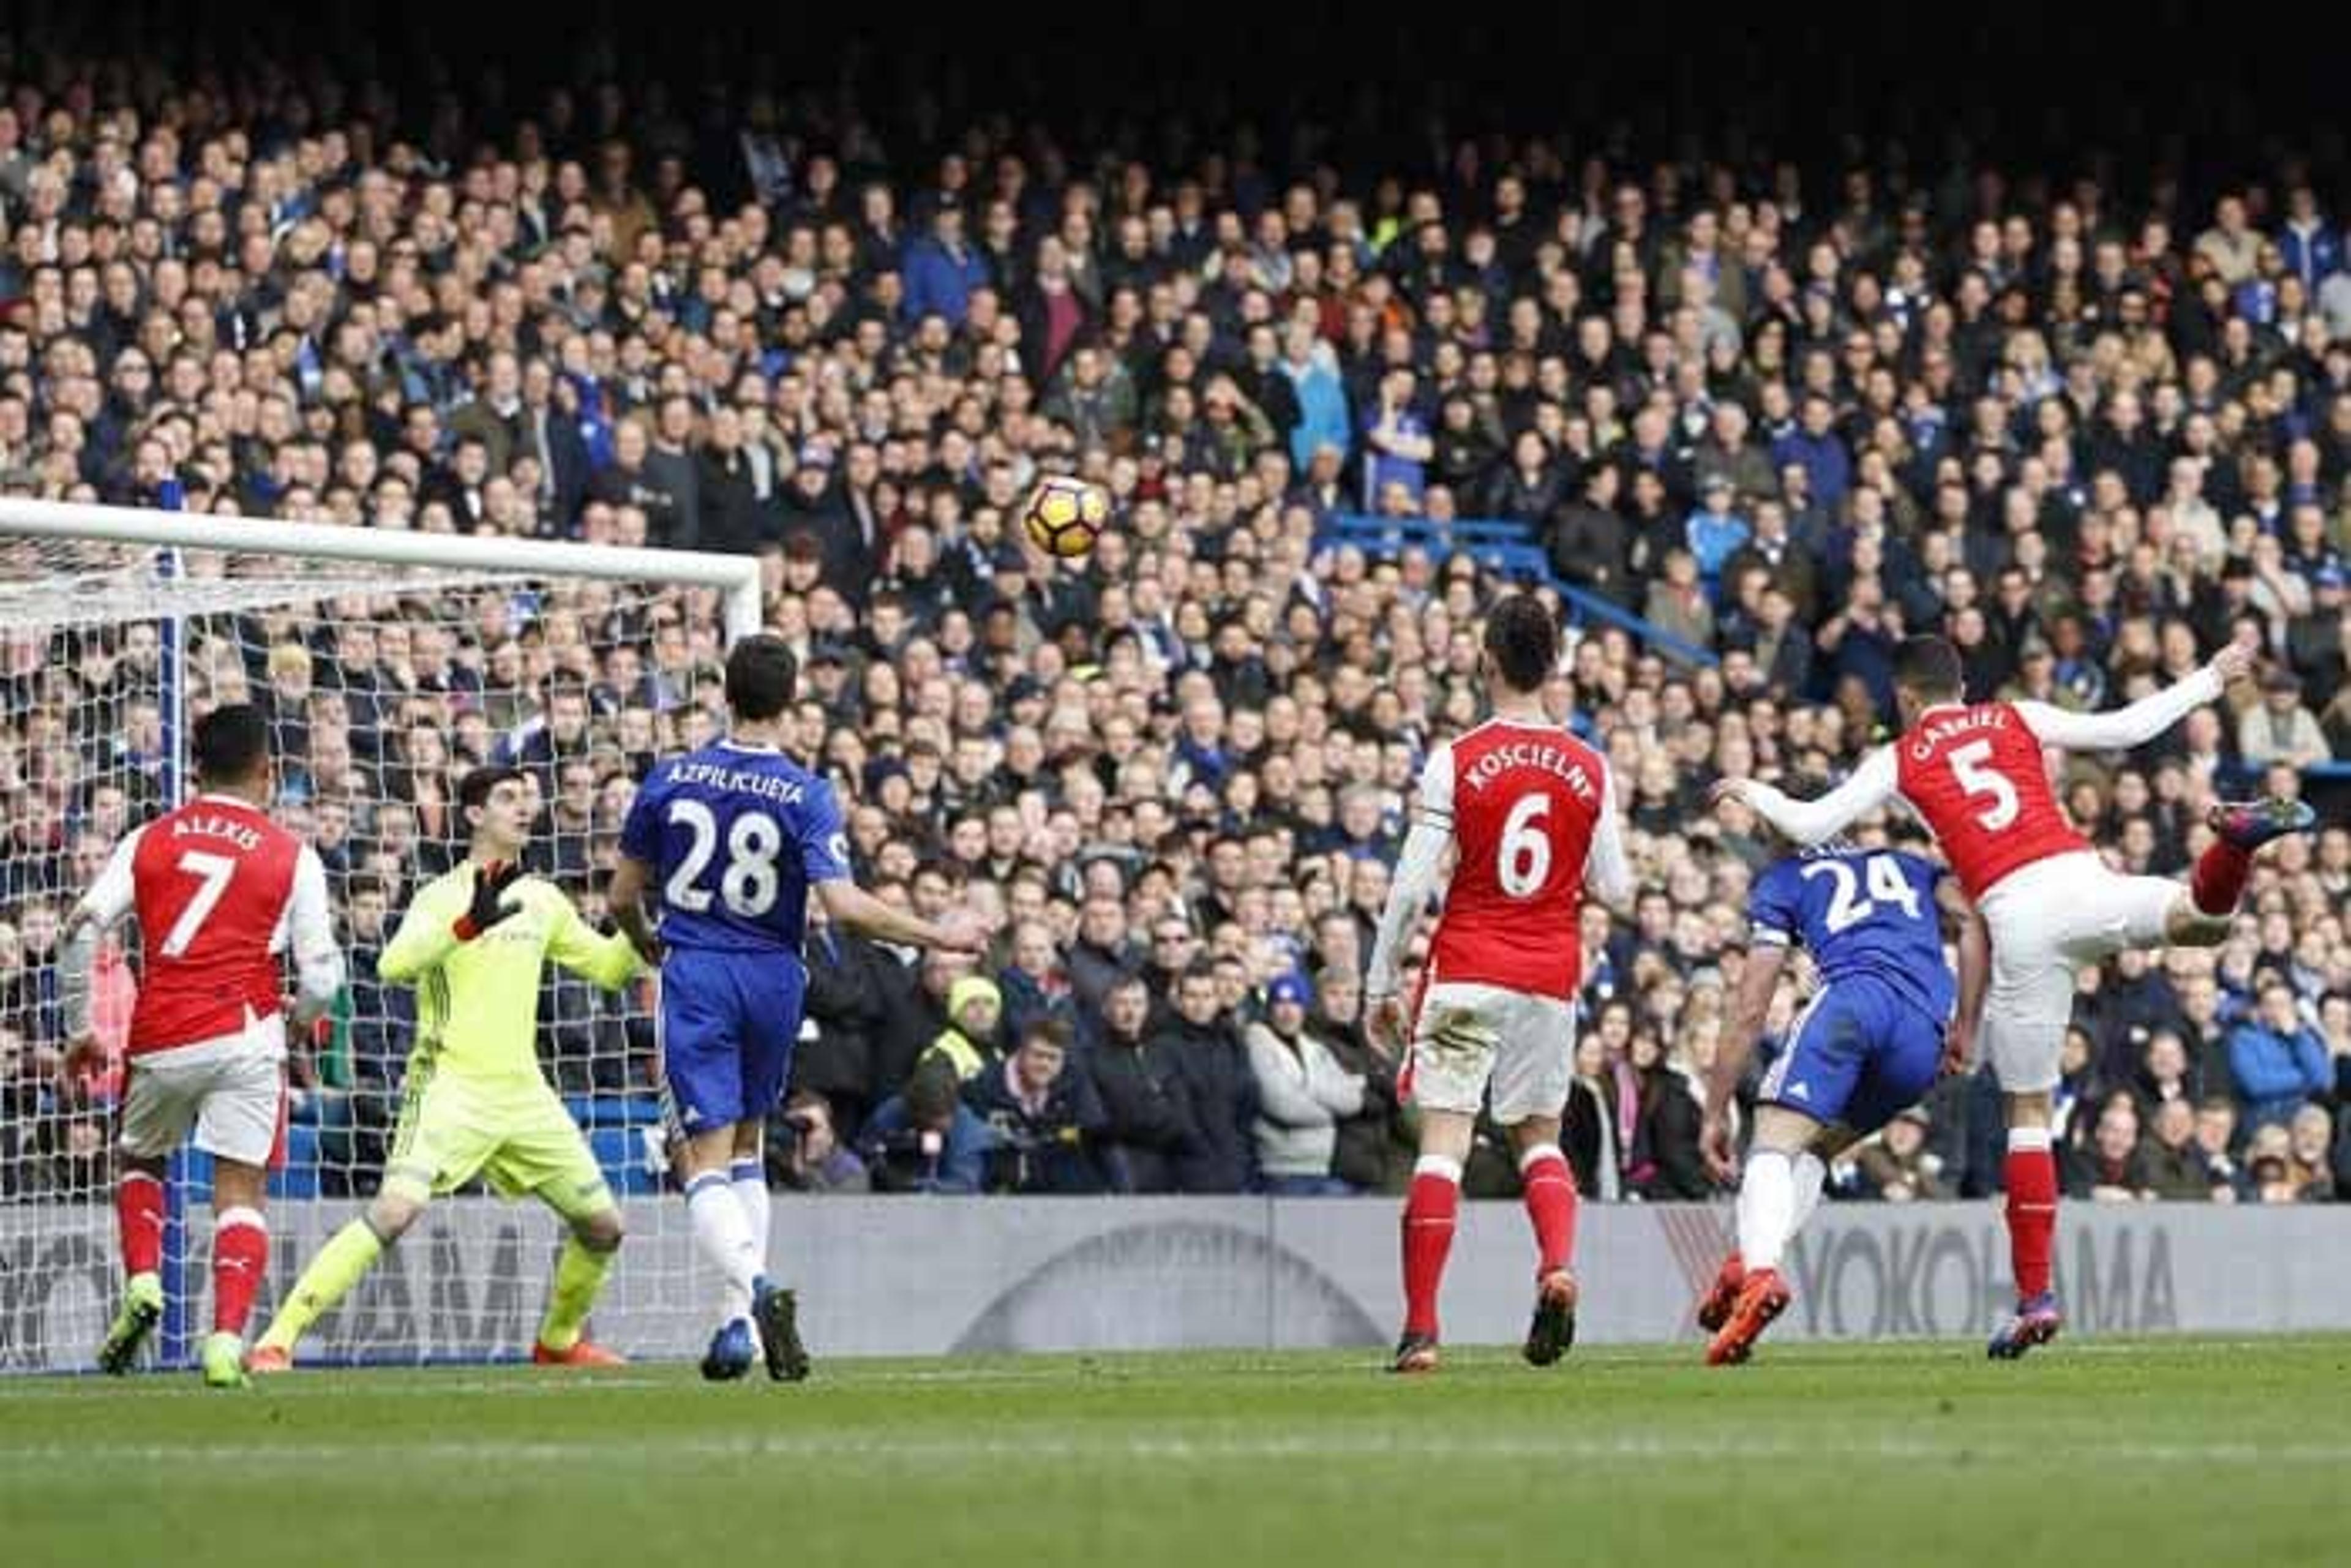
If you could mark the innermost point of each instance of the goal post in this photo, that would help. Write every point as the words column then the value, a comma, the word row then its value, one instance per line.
column 387, row 663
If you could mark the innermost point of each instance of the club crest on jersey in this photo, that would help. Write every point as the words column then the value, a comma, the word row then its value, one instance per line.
column 1551, row 759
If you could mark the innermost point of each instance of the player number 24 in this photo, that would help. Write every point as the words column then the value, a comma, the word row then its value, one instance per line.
column 1886, row 882
column 749, row 883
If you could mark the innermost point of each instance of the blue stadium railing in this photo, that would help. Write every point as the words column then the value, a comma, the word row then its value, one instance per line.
column 1510, row 548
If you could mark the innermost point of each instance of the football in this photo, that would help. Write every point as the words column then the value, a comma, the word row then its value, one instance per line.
column 1065, row 516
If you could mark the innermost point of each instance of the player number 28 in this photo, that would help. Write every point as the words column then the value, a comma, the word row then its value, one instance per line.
column 749, row 883
column 1967, row 766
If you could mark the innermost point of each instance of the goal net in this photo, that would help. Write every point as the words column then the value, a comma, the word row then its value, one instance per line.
column 387, row 665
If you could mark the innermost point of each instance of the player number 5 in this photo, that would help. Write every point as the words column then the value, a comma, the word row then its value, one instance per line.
column 1525, row 860
column 1967, row 766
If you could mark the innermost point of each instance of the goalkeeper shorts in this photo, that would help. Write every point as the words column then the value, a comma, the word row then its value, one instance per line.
column 519, row 1136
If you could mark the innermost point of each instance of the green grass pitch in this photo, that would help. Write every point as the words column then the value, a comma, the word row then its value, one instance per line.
column 2109, row 1451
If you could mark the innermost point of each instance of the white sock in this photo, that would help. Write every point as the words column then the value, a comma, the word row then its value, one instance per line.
column 749, row 1180
column 1811, row 1174
column 725, row 1239
column 1767, row 1208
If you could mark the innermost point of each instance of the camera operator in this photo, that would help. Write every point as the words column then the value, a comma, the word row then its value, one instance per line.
column 807, row 1155
column 927, row 1139
column 1044, row 1116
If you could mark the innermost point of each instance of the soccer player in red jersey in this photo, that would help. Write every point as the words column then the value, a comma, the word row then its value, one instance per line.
column 220, row 892
column 1531, row 816
column 1973, row 772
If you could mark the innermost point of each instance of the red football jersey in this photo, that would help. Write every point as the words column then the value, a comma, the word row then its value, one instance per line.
column 1526, row 800
column 1975, row 774
column 212, row 883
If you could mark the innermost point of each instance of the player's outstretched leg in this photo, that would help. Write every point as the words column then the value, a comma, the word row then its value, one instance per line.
column 139, row 1223
column 723, row 1237
column 1430, row 1211
column 346, row 1256
column 2217, row 884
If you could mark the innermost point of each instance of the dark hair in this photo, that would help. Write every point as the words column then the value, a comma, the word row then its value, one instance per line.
column 1928, row 666
column 1522, row 640
column 474, row 789
column 1048, row 1031
column 232, row 743
column 1198, row 970
column 760, row 676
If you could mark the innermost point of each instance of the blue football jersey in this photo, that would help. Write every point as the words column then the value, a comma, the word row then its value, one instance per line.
column 735, row 836
column 1859, row 912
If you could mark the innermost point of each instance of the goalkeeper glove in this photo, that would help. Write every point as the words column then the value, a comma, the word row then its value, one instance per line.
column 490, row 904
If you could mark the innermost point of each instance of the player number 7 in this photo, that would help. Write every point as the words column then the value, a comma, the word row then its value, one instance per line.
column 215, row 871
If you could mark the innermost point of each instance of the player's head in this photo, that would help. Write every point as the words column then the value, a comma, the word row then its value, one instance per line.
column 497, row 805
column 1926, row 672
column 232, row 748
column 761, row 674
column 1522, row 643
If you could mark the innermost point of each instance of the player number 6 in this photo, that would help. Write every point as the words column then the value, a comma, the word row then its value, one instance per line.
column 1525, row 860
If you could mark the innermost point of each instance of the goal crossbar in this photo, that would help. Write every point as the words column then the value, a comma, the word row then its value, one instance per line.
column 736, row 578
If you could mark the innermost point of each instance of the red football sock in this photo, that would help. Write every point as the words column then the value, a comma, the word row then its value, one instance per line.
column 1549, row 1193
column 1429, row 1210
column 240, row 1257
column 2032, row 1174
column 139, row 1221
column 2218, row 882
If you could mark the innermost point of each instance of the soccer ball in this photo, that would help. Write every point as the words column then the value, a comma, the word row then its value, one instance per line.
column 1065, row 516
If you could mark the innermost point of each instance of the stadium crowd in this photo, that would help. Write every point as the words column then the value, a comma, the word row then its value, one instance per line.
column 1782, row 415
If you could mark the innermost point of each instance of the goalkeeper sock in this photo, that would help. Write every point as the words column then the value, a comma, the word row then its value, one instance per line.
column 580, row 1272
column 340, row 1262
column 724, row 1236
column 749, row 1180
column 139, row 1221
column 240, row 1257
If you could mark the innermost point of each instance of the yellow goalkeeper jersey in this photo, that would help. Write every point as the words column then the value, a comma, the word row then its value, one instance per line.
column 477, row 1002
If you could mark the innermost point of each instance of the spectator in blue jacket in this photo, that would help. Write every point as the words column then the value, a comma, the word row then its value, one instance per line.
column 1816, row 446
column 1312, row 368
column 941, row 269
column 2311, row 246
column 1714, row 531
column 2279, row 1061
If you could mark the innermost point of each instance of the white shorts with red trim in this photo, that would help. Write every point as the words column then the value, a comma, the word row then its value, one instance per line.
column 230, row 1089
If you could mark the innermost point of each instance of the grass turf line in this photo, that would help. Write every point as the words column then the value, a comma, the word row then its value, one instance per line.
column 2105, row 1452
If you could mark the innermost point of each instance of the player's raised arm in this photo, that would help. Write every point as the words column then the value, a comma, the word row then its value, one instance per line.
column 1871, row 787
column 824, row 846
column 442, row 917
column 1419, row 873
column 2144, row 719
column 607, row 961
